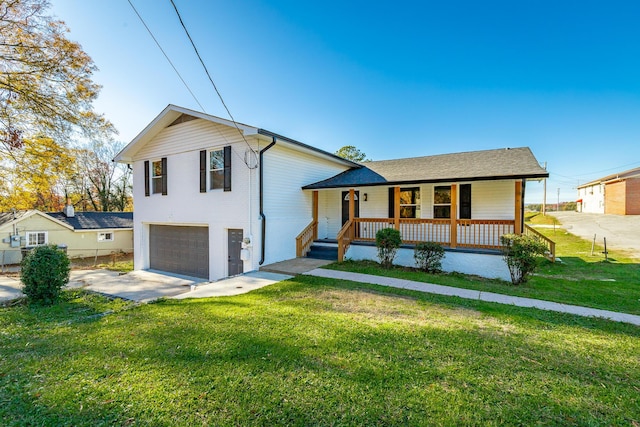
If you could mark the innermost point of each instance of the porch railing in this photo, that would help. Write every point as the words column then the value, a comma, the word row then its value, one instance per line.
column 551, row 245
column 476, row 233
column 345, row 236
column 306, row 238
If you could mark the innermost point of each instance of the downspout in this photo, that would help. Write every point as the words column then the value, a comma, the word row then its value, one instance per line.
column 263, row 218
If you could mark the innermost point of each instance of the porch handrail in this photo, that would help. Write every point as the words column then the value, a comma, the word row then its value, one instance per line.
column 306, row 238
column 345, row 237
column 551, row 245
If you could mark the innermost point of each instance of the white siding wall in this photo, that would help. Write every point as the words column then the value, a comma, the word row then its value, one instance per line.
column 592, row 198
column 184, row 204
column 287, row 207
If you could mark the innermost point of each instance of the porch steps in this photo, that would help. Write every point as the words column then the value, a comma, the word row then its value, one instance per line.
column 323, row 250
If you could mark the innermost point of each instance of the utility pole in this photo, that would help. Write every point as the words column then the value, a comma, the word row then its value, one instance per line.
column 544, row 197
column 558, row 204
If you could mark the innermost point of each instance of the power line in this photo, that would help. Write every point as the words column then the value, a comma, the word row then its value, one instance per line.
column 165, row 55
column 209, row 76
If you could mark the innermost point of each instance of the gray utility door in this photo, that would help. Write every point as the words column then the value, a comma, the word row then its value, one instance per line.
column 236, row 266
column 345, row 206
column 179, row 249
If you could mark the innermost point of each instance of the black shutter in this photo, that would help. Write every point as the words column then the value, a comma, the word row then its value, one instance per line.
column 146, row 178
column 465, row 201
column 203, row 171
column 227, row 168
column 164, row 176
column 392, row 205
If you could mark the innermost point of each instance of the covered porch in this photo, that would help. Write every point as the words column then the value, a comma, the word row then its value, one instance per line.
column 458, row 231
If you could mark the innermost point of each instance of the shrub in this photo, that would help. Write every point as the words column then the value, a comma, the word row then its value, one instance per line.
column 521, row 254
column 45, row 270
column 428, row 256
column 388, row 241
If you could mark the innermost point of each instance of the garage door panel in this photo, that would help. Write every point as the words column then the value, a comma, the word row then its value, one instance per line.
column 179, row 249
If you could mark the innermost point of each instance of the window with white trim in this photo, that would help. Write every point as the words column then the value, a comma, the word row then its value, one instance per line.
column 442, row 201
column 105, row 236
column 216, row 169
column 156, row 176
column 37, row 238
column 410, row 202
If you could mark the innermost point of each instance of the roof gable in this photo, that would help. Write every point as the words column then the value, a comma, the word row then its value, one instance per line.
column 11, row 218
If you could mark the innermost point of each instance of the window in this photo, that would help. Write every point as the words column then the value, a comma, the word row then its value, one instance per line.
column 410, row 202
column 442, row 202
column 218, row 165
column 156, row 177
column 37, row 238
column 216, row 169
column 106, row 236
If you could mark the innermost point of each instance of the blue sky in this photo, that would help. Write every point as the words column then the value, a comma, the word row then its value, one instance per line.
column 395, row 79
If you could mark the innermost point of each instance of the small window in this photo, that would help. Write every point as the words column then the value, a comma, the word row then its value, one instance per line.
column 37, row 238
column 216, row 169
column 410, row 202
column 156, row 177
column 105, row 236
column 442, row 202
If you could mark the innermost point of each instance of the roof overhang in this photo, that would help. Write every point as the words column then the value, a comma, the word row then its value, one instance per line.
column 533, row 177
column 300, row 146
column 34, row 212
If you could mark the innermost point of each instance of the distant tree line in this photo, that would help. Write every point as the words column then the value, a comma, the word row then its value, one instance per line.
column 53, row 145
column 551, row 207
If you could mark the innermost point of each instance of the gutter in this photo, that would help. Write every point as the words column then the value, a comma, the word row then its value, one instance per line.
column 263, row 218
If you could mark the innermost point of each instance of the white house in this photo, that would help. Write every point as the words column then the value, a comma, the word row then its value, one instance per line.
column 215, row 199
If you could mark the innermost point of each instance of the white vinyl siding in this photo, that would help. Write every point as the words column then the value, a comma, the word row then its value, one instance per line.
column 287, row 207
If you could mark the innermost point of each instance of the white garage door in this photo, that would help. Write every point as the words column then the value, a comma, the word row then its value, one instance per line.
column 179, row 249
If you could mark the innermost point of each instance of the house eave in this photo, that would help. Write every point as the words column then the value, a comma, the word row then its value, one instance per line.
column 308, row 148
column 529, row 177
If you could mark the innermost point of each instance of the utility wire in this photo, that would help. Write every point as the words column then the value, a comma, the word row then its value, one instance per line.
column 209, row 76
column 166, row 56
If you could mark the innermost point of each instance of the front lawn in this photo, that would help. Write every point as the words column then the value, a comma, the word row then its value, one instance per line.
column 313, row 351
column 580, row 279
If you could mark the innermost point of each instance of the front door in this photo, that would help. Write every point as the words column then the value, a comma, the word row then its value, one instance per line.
column 345, row 206
column 234, row 247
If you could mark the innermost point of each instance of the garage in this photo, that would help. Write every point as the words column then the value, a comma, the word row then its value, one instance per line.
column 179, row 249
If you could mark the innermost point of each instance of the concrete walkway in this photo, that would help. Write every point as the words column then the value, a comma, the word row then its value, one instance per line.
column 476, row 295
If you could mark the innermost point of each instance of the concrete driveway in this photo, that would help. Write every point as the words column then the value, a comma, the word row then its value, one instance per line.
column 622, row 231
column 145, row 286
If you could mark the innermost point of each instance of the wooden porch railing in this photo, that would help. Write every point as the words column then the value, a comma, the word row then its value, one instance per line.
column 306, row 238
column 472, row 233
column 551, row 245
column 345, row 236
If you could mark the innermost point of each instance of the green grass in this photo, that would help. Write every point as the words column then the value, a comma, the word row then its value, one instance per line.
column 313, row 351
column 580, row 279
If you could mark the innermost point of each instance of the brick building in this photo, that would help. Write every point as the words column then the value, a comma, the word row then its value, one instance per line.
column 617, row 194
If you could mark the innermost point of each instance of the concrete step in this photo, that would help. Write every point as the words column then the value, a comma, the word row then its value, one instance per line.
column 328, row 252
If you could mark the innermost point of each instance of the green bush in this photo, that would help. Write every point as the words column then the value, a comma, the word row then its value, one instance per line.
column 428, row 256
column 45, row 270
column 521, row 253
column 388, row 241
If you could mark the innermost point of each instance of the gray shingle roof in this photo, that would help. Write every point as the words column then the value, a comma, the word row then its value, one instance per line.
column 509, row 163
column 96, row 220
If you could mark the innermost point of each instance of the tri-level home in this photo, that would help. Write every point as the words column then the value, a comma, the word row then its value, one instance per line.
column 214, row 198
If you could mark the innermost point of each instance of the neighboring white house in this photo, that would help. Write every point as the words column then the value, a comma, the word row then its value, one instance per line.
column 84, row 234
column 617, row 194
column 214, row 199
